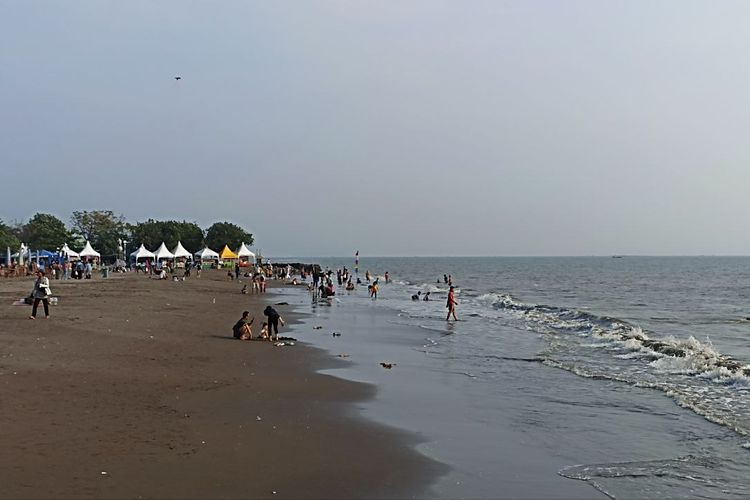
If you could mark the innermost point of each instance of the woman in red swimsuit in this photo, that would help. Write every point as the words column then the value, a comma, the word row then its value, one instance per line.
column 451, row 305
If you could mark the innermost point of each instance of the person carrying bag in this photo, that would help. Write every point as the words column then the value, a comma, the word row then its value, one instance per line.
column 41, row 293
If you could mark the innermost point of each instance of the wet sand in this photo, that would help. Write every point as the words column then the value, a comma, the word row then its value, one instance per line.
column 135, row 388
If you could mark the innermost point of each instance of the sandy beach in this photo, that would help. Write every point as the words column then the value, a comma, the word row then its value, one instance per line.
column 135, row 388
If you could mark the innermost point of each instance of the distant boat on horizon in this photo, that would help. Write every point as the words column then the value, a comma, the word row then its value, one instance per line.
column 617, row 256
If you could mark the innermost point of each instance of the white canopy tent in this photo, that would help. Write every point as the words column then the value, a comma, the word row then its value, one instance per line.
column 67, row 252
column 142, row 253
column 207, row 254
column 180, row 252
column 163, row 253
column 88, row 251
column 243, row 251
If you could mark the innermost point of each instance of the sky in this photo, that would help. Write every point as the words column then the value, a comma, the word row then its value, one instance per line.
column 412, row 128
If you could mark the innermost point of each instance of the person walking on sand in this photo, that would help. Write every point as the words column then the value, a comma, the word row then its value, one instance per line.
column 451, row 305
column 41, row 292
column 273, row 322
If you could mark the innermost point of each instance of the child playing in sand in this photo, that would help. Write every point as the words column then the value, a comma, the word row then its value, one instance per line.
column 264, row 331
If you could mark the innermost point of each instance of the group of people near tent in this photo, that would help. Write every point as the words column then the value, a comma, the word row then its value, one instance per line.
column 179, row 253
column 59, row 264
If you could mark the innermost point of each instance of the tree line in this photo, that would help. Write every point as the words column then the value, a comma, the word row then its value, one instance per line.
column 104, row 230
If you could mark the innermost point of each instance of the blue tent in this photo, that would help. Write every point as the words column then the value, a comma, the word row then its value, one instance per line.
column 45, row 254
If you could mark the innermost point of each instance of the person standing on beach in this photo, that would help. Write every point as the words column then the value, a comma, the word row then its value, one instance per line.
column 451, row 305
column 41, row 292
column 273, row 322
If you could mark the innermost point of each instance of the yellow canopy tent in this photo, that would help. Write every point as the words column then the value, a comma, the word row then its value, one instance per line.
column 226, row 253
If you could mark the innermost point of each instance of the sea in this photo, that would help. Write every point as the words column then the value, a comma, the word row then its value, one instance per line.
column 565, row 377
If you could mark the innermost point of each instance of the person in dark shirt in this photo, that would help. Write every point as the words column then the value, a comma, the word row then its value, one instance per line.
column 273, row 322
column 242, row 329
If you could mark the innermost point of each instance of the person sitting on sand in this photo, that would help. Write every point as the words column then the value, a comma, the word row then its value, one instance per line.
column 416, row 296
column 426, row 297
column 244, row 290
column 350, row 285
column 163, row 274
column 242, row 329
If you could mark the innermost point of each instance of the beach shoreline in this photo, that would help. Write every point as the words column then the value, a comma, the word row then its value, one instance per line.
column 135, row 388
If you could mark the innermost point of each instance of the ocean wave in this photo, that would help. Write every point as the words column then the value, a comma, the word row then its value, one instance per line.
column 671, row 355
column 692, row 372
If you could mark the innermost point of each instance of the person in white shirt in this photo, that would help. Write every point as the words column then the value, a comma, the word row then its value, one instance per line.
column 41, row 293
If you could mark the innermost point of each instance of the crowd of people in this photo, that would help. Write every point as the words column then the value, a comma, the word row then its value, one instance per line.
column 322, row 287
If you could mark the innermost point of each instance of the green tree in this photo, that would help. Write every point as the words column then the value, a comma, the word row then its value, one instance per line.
column 102, row 228
column 226, row 233
column 152, row 232
column 8, row 239
column 45, row 231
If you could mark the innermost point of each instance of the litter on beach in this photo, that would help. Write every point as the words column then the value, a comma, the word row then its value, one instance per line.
column 387, row 366
column 281, row 344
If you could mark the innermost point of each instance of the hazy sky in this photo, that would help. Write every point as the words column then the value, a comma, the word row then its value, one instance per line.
column 392, row 127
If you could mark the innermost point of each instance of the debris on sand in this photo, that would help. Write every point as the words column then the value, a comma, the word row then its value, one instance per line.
column 387, row 366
